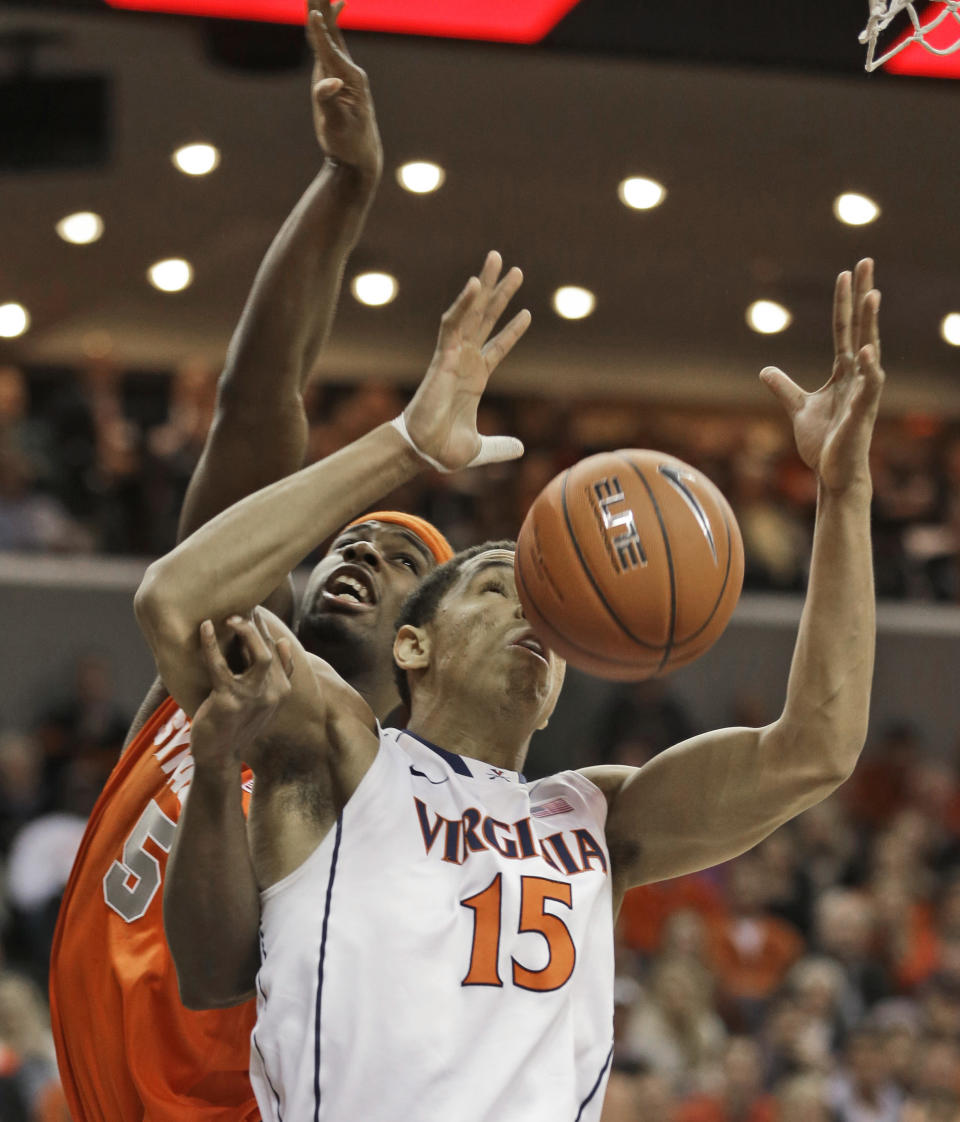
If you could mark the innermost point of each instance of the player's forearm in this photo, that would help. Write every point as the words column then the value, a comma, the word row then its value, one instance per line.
column 211, row 906
column 824, row 722
column 234, row 562
column 291, row 304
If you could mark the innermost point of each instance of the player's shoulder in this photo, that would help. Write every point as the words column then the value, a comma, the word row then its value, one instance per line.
column 156, row 698
column 608, row 778
column 591, row 789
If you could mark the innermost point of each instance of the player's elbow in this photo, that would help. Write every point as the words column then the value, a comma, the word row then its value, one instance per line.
column 155, row 606
column 819, row 760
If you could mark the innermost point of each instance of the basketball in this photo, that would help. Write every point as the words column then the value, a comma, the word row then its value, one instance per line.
column 629, row 564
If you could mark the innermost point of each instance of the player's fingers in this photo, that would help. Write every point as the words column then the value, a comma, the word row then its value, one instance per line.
column 269, row 627
column 872, row 378
column 314, row 23
column 285, row 655
column 870, row 322
column 213, row 658
column 452, row 320
column 327, row 52
column 862, row 284
column 842, row 340
column 502, row 295
column 255, row 648
column 503, row 343
column 489, row 272
column 496, row 449
column 784, row 389
column 333, row 25
column 327, row 88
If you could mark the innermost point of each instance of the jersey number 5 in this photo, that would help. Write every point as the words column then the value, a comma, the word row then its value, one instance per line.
column 534, row 893
column 132, row 882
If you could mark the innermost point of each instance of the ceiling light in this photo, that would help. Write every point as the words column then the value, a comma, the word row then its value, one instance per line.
column 374, row 289
column 950, row 329
column 172, row 275
column 854, row 209
column 196, row 159
column 421, row 177
column 768, row 317
column 573, row 302
column 14, row 320
column 81, row 228
column 641, row 193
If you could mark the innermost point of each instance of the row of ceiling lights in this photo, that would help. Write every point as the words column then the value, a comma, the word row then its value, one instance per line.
column 422, row 177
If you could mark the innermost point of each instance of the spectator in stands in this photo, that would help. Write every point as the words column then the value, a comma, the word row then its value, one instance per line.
column 751, row 949
column 29, row 1084
column 22, row 794
column 937, row 1071
column 740, row 1096
column 26, row 436
column 87, row 726
column 863, row 1090
column 29, row 519
column 803, row 1099
column 645, row 910
column 846, row 932
column 175, row 446
column 822, row 993
column 828, row 844
column 674, row 1029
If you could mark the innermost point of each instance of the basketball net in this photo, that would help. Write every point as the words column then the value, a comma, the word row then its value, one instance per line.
column 884, row 12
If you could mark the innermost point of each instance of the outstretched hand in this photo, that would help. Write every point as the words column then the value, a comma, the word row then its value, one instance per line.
column 239, row 705
column 343, row 116
column 442, row 417
column 834, row 425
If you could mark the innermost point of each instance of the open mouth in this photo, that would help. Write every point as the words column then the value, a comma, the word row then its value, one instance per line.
column 349, row 587
column 531, row 643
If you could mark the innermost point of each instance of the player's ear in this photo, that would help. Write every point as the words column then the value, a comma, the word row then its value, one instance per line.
column 411, row 648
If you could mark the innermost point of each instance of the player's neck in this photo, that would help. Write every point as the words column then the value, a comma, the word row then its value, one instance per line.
column 496, row 738
column 377, row 690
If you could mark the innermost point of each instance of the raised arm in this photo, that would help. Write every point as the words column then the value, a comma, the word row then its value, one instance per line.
column 209, row 902
column 290, row 308
column 714, row 796
column 233, row 562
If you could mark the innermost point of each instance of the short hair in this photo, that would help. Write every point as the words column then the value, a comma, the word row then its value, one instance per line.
column 421, row 605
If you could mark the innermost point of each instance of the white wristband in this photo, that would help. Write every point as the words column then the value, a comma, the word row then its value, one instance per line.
column 493, row 449
column 401, row 426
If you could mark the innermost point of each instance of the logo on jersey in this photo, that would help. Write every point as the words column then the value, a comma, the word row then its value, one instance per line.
column 457, row 839
column 497, row 773
column 555, row 806
column 423, row 775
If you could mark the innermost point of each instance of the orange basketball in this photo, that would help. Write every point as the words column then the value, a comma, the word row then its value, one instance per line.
column 629, row 564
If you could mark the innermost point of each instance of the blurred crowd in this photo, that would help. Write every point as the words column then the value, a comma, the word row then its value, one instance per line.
column 50, row 776
column 98, row 460
column 814, row 979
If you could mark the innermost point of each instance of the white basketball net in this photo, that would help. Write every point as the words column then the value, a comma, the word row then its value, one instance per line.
column 884, row 12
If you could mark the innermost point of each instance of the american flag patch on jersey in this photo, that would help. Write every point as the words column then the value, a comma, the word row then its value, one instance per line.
column 555, row 806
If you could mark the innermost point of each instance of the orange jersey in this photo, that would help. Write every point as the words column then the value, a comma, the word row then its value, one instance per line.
column 128, row 1050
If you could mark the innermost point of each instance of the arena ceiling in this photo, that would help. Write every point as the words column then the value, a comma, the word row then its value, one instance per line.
column 753, row 123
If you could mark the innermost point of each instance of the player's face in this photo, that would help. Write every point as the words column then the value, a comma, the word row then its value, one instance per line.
column 355, row 593
column 481, row 636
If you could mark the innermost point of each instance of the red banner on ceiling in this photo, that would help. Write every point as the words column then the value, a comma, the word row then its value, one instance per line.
column 917, row 61
column 505, row 21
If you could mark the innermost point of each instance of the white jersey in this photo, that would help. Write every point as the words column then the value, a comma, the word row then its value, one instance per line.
column 444, row 955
